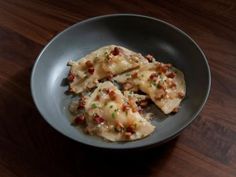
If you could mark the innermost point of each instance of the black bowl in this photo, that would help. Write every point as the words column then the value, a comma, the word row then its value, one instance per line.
column 143, row 34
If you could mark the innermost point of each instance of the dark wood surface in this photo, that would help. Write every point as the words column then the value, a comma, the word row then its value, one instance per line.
column 29, row 147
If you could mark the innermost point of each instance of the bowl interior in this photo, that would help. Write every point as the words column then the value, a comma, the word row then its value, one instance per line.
column 142, row 34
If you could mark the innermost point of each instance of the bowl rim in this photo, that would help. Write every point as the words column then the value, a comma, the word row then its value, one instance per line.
column 172, row 135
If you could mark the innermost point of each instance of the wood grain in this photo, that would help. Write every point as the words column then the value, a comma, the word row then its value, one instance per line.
column 30, row 147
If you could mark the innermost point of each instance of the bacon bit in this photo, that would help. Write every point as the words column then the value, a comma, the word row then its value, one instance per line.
column 112, row 94
column 140, row 110
column 91, row 70
column 89, row 64
column 110, row 76
column 133, row 105
column 81, row 103
column 130, row 129
column 134, row 75
column 172, row 85
column 143, row 103
column 70, row 77
column 105, row 90
column 176, row 109
column 149, row 57
column 116, row 51
column 119, row 127
column 98, row 119
column 127, row 135
column 90, row 67
column 79, row 119
column 125, row 107
column 181, row 95
column 153, row 76
column 162, row 68
column 127, row 86
column 160, row 94
column 160, row 86
column 97, row 98
column 171, row 75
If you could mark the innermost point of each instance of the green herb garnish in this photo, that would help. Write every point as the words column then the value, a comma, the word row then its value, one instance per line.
column 96, row 59
column 106, row 53
column 153, row 84
column 106, row 56
column 161, row 78
column 114, row 113
column 111, row 106
column 94, row 106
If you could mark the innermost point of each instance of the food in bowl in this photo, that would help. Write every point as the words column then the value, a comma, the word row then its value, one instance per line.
column 114, row 85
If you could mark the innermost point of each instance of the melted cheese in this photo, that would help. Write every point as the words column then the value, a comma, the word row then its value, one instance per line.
column 104, row 64
column 113, row 114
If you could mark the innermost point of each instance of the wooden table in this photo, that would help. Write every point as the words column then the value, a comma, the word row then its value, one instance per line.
column 29, row 147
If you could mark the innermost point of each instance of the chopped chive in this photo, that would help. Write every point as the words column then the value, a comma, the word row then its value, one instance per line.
column 161, row 77
column 113, row 115
column 111, row 106
column 94, row 106
column 153, row 84
column 96, row 59
column 139, row 99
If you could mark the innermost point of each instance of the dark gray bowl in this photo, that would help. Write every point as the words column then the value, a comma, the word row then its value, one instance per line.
column 139, row 33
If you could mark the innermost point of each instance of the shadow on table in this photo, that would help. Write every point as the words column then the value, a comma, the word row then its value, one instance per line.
column 97, row 162
column 32, row 148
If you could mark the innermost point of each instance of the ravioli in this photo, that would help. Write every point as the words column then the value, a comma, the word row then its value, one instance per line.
column 103, row 63
column 163, row 83
column 111, row 115
column 115, row 86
